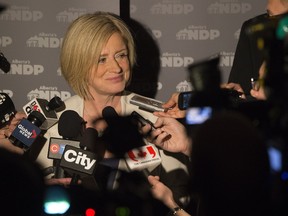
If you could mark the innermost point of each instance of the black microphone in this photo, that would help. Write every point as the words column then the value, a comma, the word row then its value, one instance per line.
column 7, row 109
column 27, row 131
column 91, row 141
column 4, row 64
column 81, row 162
column 70, row 127
column 125, row 141
column 110, row 115
column 122, row 133
column 47, row 108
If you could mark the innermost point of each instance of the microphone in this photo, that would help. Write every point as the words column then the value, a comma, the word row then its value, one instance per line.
column 122, row 133
column 124, row 138
column 46, row 108
column 143, row 157
column 26, row 132
column 7, row 109
column 81, row 162
column 91, row 141
column 4, row 64
column 70, row 126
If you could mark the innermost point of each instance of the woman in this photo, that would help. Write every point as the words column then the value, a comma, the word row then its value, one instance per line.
column 97, row 56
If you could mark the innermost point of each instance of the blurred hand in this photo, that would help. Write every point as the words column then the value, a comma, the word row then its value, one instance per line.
column 172, row 108
column 258, row 90
column 61, row 181
column 170, row 135
column 162, row 192
column 258, row 94
column 234, row 86
column 6, row 144
column 6, row 132
column 15, row 121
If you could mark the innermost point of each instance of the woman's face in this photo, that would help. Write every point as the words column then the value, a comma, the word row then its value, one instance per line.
column 113, row 71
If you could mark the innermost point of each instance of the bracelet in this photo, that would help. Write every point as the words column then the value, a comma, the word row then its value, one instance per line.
column 175, row 210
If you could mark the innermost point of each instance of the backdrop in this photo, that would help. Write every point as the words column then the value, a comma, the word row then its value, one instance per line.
column 170, row 34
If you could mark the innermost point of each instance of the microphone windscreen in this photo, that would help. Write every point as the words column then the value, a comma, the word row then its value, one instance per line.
column 110, row 115
column 55, row 103
column 4, row 64
column 70, row 125
column 93, row 143
column 36, row 118
column 89, row 138
column 7, row 109
column 122, row 134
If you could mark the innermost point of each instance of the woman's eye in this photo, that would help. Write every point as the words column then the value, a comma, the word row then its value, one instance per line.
column 102, row 60
column 121, row 55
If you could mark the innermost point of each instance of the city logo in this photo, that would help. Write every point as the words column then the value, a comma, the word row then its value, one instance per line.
column 78, row 160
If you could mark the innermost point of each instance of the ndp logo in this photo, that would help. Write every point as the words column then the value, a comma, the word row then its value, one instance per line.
column 175, row 60
column 22, row 14
column 24, row 67
column 229, row 7
column 197, row 33
column 226, row 59
column 184, row 86
column 172, row 7
column 70, row 14
column 44, row 40
column 5, row 41
column 48, row 93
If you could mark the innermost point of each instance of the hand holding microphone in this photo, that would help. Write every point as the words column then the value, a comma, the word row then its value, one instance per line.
column 6, row 132
column 171, row 135
column 26, row 132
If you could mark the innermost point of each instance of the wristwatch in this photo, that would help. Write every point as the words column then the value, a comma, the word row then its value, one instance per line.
column 175, row 210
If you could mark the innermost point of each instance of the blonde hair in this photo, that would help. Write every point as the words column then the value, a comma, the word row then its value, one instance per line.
column 82, row 45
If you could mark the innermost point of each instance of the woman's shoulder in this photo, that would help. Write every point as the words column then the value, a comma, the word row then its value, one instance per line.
column 75, row 103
